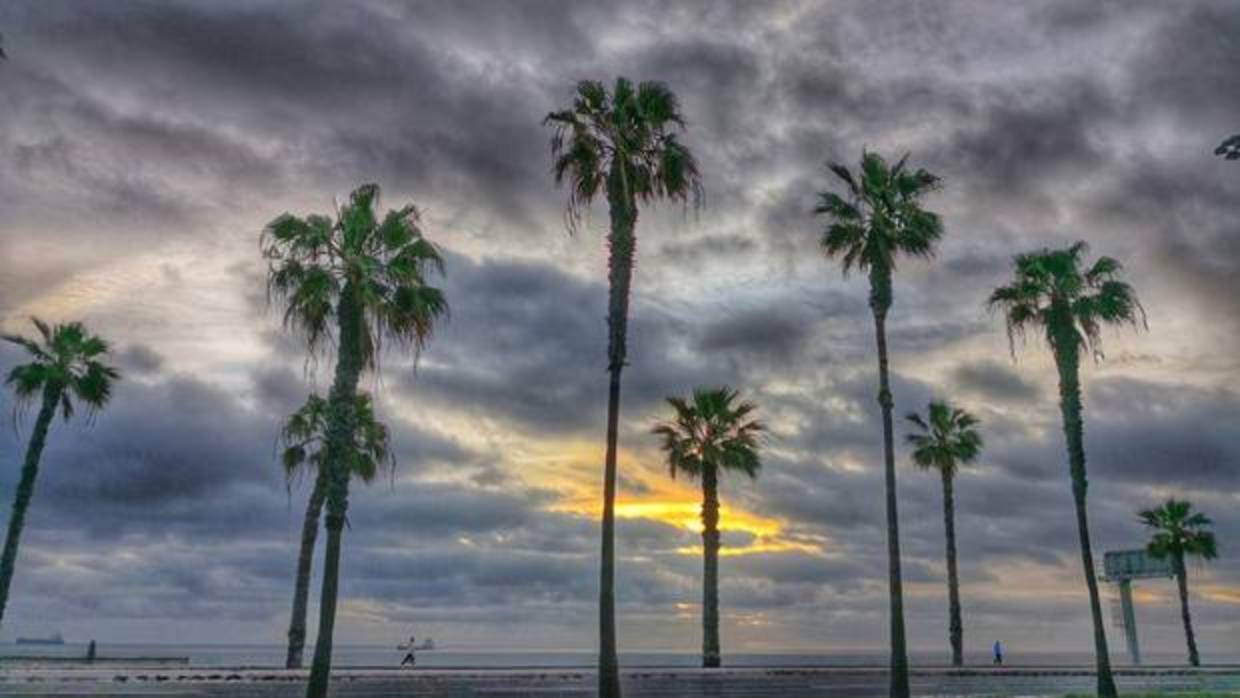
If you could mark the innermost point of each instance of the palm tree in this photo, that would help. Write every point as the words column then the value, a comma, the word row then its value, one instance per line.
column 880, row 217
column 622, row 144
column 946, row 440
column 66, row 367
column 1229, row 148
column 711, row 434
column 370, row 277
column 1053, row 292
column 1178, row 531
column 304, row 436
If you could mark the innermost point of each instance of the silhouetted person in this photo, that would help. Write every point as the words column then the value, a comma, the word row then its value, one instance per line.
column 409, row 658
column 90, row 651
column 998, row 653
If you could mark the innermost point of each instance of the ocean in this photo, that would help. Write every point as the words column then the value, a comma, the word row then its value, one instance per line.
column 267, row 656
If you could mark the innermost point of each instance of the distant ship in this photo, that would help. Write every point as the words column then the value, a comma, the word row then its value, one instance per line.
column 429, row 644
column 56, row 639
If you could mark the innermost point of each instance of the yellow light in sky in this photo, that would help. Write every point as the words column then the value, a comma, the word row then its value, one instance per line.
column 685, row 514
column 672, row 502
column 1222, row 594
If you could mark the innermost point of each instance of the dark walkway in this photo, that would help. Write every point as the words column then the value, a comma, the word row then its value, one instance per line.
column 639, row 683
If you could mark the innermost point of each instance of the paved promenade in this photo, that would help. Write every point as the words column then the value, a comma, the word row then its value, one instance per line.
column 772, row 682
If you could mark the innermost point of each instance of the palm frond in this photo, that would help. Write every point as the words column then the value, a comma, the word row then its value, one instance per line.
column 66, row 364
column 946, row 438
column 383, row 263
column 1053, row 290
column 1178, row 531
column 1230, row 148
column 627, row 134
column 711, row 430
column 880, row 215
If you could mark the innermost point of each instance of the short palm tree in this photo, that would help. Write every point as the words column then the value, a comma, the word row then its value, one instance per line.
column 304, row 436
column 946, row 439
column 1229, row 148
column 1054, row 293
column 67, row 367
column 370, row 277
column 1179, row 532
column 878, row 218
column 710, row 434
column 621, row 144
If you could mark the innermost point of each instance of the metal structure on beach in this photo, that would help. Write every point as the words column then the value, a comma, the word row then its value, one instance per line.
column 1120, row 567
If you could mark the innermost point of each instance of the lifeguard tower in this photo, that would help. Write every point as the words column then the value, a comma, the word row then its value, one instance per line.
column 1120, row 567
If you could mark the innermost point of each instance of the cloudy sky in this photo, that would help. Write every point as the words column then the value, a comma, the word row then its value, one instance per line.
column 145, row 144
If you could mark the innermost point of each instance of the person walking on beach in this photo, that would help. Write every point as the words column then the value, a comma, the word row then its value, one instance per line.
column 998, row 653
column 409, row 658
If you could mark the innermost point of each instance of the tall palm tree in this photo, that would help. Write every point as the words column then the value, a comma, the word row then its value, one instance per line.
column 947, row 438
column 621, row 144
column 710, row 434
column 369, row 276
column 1229, row 148
column 305, row 437
column 1054, row 292
column 878, row 218
column 67, row 366
column 1178, row 531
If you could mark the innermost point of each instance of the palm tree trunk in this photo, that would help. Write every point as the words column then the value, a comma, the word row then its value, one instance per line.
column 305, row 557
column 1181, row 577
column 25, row 490
column 341, row 424
column 711, row 655
column 880, row 302
column 1067, row 355
column 623, row 244
column 955, row 629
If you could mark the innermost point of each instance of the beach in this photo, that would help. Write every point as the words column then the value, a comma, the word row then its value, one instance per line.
column 751, row 682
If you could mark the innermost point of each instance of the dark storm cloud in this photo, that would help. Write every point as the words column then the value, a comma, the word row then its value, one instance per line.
column 222, row 70
column 1189, row 212
column 993, row 380
column 525, row 344
column 176, row 463
column 280, row 389
column 177, row 458
column 1187, row 65
column 138, row 359
column 1145, row 432
column 774, row 334
column 693, row 254
column 1032, row 137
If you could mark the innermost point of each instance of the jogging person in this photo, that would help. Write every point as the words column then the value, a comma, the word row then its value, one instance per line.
column 409, row 658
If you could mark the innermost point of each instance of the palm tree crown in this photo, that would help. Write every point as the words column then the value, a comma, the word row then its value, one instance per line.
column 383, row 263
column 948, row 438
column 305, row 436
column 711, row 431
column 67, row 365
column 880, row 216
column 67, row 360
column 627, row 134
column 1052, row 291
column 1179, row 531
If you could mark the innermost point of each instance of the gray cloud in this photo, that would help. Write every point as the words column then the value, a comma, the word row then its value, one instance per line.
column 175, row 130
column 993, row 380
